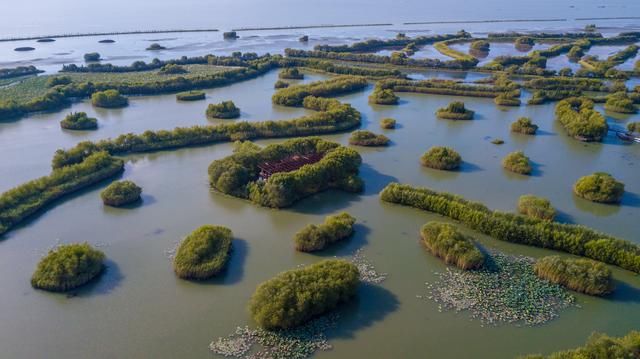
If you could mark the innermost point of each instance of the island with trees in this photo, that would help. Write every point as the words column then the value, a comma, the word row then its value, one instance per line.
column 445, row 241
column 121, row 193
column 203, row 253
column 67, row 267
column 79, row 121
column 441, row 158
column 317, row 237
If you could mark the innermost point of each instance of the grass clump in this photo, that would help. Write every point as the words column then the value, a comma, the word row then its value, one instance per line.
column 296, row 296
column 506, row 99
column 109, row 99
column 383, row 97
column 599, row 187
column 582, row 275
column 79, row 121
column 120, row 193
column 441, row 158
column 525, row 126
column 291, row 73
column 280, row 84
column 203, row 253
column 368, row 138
column 633, row 127
column 92, row 57
column 536, row 207
column 600, row 346
column 67, row 267
column 455, row 111
column 335, row 228
column 446, row 242
column 388, row 123
column 517, row 162
column 223, row 110
column 194, row 95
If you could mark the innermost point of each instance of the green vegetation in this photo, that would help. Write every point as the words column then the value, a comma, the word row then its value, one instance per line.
column 576, row 53
column 441, row 158
column 120, row 193
column 536, row 207
column 445, row 241
column 203, row 253
column 633, row 127
column 67, row 267
column 79, row 121
column 480, row 45
column 26, row 199
column 443, row 48
column 296, row 296
column 91, row 56
column 388, row 123
column 291, row 73
column 524, row 43
column 497, row 141
column 525, row 126
column 280, row 84
column 193, row 95
column 383, row 97
column 172, row 69
column 600, row 346
column 58, row 80
column 109, row 99
column 590, row 28
column 18, row 71
column 315, row 238
column 517, row 162
column 620, row 102
column 582, row 275
column 295, row 95
column 367, row 138
column 574, row 239
column 155, row 47
column 455, row 111
column 224, row 110
column 599, row 187
column 230, row 35
column 448, row 87
column 238, row 174
column 504, row 99
column 580, row 120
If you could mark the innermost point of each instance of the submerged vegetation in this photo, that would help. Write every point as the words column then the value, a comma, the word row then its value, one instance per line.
column 367, row 138
column 223, row 110
column 203, row 253
column 120, row 193
column 296, row 296
column 525, row 126
column 67, row 267
column 441, row 158
column 79, row 121
column 455, row 111
column 599, row 187
column 582, row 275
column 536, row 207
column 315, row 238
column 517, row 162
column 445, row 241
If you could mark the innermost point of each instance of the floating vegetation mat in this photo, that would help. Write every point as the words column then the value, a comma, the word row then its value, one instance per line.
column 505, row 291
column 296, row 343
column 367, row 270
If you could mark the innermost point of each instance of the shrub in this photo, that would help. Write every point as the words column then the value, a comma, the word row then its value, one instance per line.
column 620, row 102
column 291, row 73
column 524, row 42
column 109, row 99
column 446, row 242
column 203, row 253
column 599, row 187
column 441, row 158
column 229, row 35
column 224, row 110
column 173, row 69
column 58, row 80
column 367, row 138
column 455, row 111
column 536, row 207
column 600, row 346
column 92, row 56
column 296, row 296
column 633, row 126
column 8, row 73
column 449, row 87
column 79, row 121
column 505, row 99
column 67, row 267
column 120, row 193
column 582, row 275
column 155, row 47
column 194, row 95
column 314, row 238
column 388, row 123
column 480, row 45
column 574, row 239
column 295, row 95
column 517, row 162
column 580, row 120
column 280, row 84
column 383, row 97
column 497, row 141
column 525, row 126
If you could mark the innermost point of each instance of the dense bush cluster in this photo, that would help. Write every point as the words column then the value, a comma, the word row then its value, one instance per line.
column 582, row 275
column 580, row 120
column 536, row 207
column 173, row 69
column 238, row 174
column 599, row 187
column 565, row 84
column 291, row 73
column 331, row 67
column 193, row 95
column 505, row 99
column 79, row 121
column 224, row 110
column 18, row 71
column 120, row 193
column 367, row 138
column 600, row 346
column 295, row 95
column 455, row 111
column 443, row 48
column 67, row 267
column 441, row 158
column 376, row 44
column 91, row 56
column 203, row 253
column 314, row 238
column 109, row 99
column 633, row 127
column 388, row 123
column 620, row 102
column 574, row 239
column 525, row 126
column 296, row 296
column 517, row 162
column 445, row 241
column 447, row 87
column 383, row 97
column 480, row 45
column 280, row 84
column 26, row 199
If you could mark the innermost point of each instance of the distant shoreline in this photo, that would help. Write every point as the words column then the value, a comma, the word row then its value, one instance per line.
column 481, row 21
column 90, row 34
column 305, row 27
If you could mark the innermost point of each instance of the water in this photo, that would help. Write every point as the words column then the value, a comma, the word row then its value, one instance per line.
column 139, row 308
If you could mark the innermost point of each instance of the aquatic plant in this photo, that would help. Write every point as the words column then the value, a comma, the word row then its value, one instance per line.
column 120, row 193
column 505, row 99
column 383, row 97
column 203, row 253
column 517, row 162
column 600, row 346
column 441, row 158
column 224, row 110
column 480, row 45
column 314, row 238
column 582, row 275
column 193, row 95
column 620, row 102
column 291, row 73
column 388, row 123
column 109, row 99
column 79, row 121
column 525, row 126
column 536, row 207
column 367, row 138
column 67, row 267
column 455, row 111
column 599, row 187
column 445, row 241
column 295, row 95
